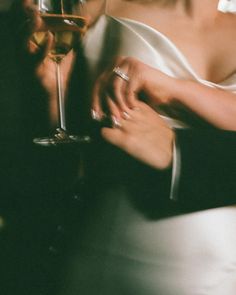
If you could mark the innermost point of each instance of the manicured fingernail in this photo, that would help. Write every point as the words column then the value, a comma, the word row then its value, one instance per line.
column 126, row 115
column 115, row 122
column 95, row 115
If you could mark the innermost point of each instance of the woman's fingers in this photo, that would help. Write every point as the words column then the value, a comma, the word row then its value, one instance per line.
column 39, row 54
column 143, row 131
column 133, row 70
column 117, row 117
column 122, row 84
column 97, row 111
column 116, row 90
column 125, row 84
column 25, row 20
column 131, row 93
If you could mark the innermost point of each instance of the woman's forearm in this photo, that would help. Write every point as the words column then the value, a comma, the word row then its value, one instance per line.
column 216, row 106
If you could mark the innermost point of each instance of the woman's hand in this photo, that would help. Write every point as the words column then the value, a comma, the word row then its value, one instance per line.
column 25, row 21
column 143, row 135
column 120, row 89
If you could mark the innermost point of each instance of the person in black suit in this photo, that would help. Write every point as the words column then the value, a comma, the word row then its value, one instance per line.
column 34, row 182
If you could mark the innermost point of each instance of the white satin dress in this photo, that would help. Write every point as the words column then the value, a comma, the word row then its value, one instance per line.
column 127, row 253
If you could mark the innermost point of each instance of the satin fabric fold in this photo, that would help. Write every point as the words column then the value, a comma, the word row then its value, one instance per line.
column 124, row 251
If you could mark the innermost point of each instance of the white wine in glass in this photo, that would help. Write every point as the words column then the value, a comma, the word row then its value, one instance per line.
column 66, row 20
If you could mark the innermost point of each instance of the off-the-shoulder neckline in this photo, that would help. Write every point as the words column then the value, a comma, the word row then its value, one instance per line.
column 175, row 48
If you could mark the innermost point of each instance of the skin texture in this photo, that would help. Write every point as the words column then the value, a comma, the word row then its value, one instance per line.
column 134, row 130
column 30, row 21
column 215, row 106
column 198, row 35
column 196, row 32
column 198, row 39
column 136, row 135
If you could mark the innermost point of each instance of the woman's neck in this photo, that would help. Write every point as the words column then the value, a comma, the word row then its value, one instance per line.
column 196, row 11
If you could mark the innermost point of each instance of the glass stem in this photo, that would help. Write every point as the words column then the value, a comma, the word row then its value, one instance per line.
column 60, row 97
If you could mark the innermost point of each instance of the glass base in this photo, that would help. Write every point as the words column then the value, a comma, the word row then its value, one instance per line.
column 62, row 137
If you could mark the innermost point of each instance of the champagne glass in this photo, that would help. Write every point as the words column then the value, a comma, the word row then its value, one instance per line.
column 66, row 20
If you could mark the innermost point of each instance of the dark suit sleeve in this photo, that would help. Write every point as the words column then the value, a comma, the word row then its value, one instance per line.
column 208, row 168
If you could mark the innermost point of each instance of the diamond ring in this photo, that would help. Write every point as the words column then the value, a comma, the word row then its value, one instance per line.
column 121, row 74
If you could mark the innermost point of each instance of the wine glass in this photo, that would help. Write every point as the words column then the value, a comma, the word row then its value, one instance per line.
column 66, row 20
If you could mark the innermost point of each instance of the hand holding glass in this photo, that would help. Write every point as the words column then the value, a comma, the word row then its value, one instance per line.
column 65, row 19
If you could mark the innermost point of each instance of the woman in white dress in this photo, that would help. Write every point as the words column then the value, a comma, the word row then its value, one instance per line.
column 128, row 247
column 133, row 239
